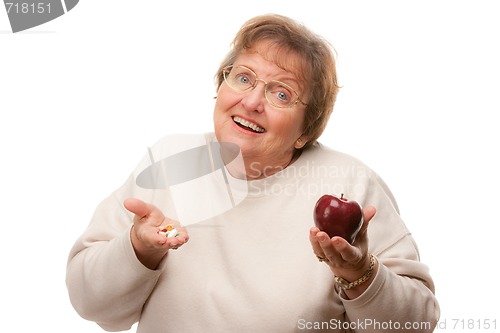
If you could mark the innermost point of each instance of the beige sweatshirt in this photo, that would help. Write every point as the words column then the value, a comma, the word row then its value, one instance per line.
column 248, row 266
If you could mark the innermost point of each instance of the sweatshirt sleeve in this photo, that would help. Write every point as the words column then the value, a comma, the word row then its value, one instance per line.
column 105, row 280
column 401, row 296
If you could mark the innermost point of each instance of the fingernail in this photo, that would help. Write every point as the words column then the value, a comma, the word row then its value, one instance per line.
column 323, row 238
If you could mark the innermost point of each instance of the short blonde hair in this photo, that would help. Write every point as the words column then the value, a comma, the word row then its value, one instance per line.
column 316, row 69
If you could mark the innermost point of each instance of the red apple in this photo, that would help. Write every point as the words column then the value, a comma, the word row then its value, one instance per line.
column 338, row 216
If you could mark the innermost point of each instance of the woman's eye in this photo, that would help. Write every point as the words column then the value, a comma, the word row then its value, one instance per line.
column 280, row 93
column 243, row 79
column 282, row 96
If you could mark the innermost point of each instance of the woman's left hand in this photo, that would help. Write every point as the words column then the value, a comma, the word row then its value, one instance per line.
column 345, row 260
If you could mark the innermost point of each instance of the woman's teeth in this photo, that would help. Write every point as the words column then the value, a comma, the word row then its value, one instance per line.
column 248, row 124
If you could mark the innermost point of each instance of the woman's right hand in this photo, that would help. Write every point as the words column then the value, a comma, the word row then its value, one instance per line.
column 150, row 246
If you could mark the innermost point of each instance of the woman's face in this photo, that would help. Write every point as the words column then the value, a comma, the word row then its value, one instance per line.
column 266, row 135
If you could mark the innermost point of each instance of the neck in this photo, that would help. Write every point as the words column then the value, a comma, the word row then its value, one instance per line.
column 259, row 170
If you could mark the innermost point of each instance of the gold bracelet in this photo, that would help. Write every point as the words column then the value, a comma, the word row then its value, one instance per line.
column 346, row 285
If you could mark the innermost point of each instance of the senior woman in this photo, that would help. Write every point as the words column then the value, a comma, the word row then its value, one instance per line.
column 254, row 267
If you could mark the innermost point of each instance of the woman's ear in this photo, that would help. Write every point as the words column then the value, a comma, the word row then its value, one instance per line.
column 301, row 142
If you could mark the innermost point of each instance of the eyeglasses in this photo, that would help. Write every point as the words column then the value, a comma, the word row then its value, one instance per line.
column 279, row 94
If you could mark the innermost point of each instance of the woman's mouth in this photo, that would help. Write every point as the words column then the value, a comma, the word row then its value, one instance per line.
column 248, row 125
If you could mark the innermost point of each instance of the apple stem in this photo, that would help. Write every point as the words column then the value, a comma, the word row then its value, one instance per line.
column 341, row 196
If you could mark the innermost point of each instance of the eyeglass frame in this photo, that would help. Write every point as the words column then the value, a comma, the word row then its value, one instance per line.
column 226, row 70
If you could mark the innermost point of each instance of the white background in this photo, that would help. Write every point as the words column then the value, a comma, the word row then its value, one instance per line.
column 83, row 96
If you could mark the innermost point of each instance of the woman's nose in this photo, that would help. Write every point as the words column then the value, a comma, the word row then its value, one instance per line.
column 254, row 99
